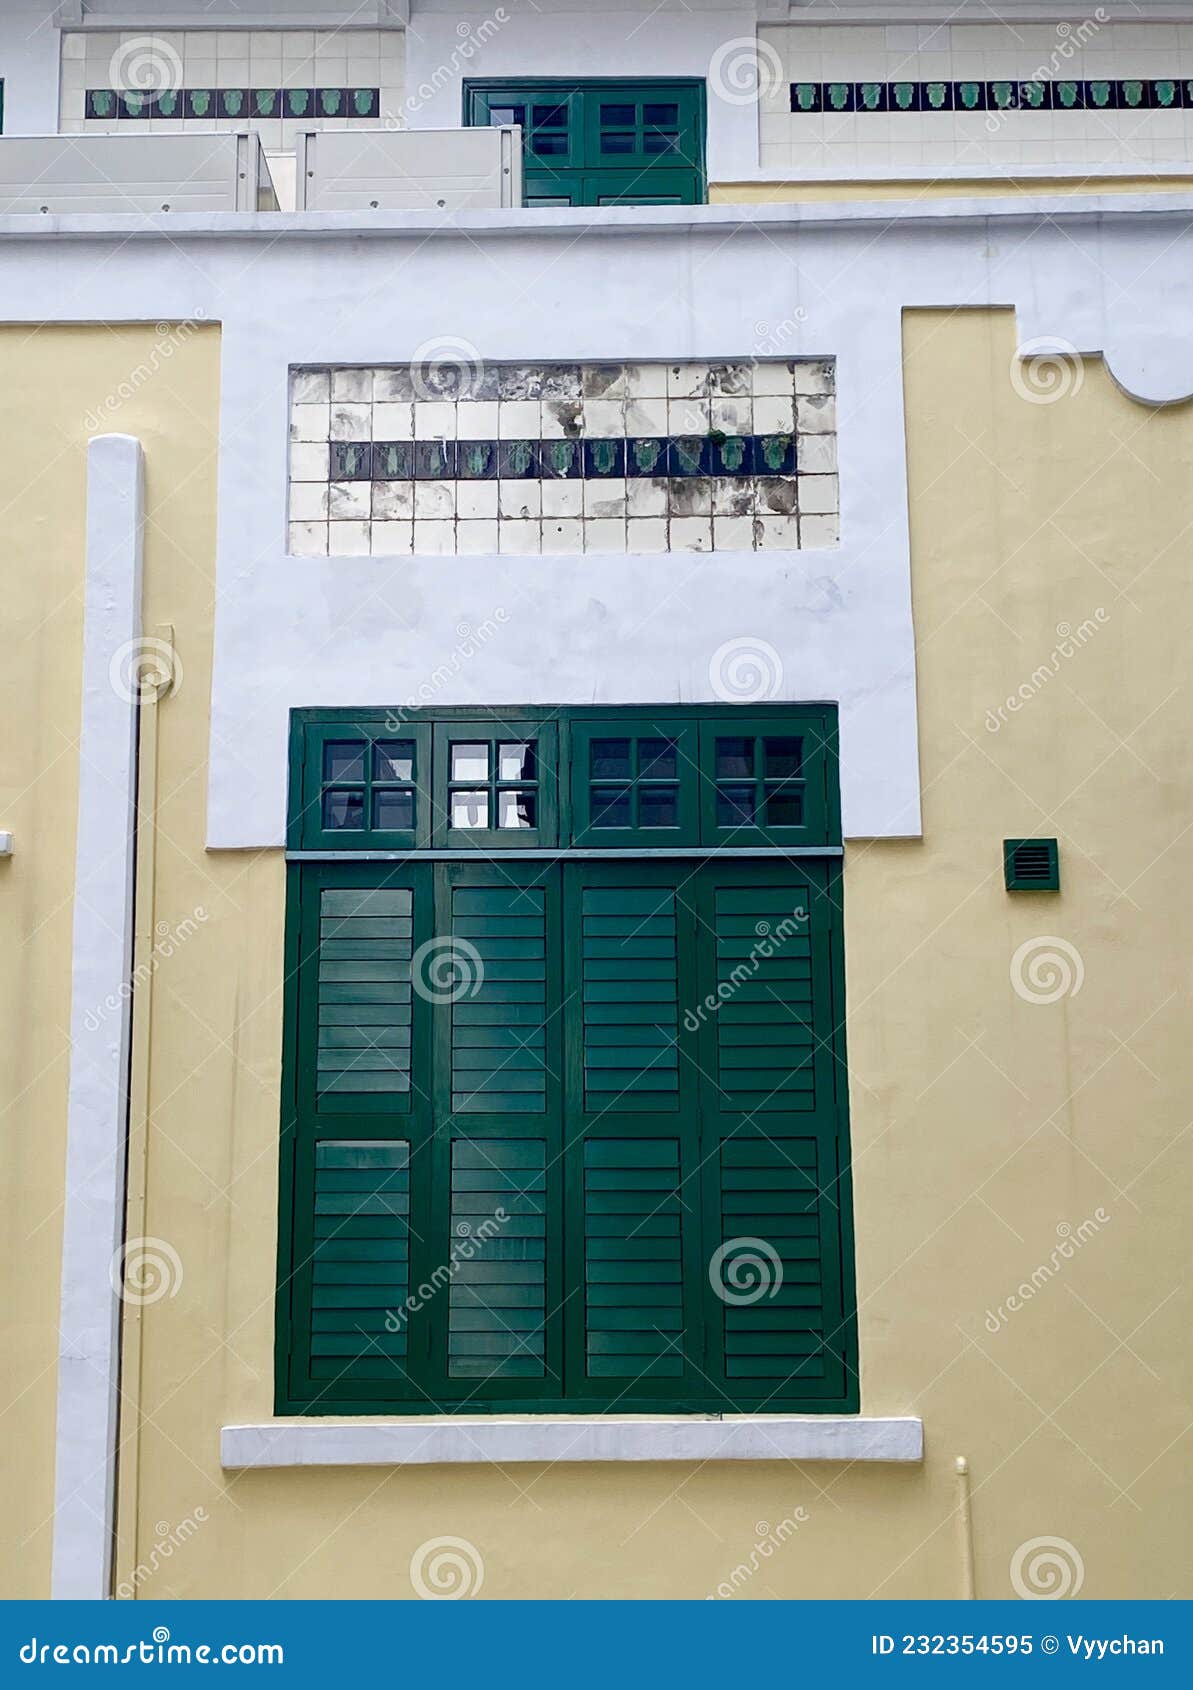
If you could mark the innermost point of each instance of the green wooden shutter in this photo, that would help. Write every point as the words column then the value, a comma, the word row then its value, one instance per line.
column 361, row 1258
column 498, row 1307
column 780, row 1325
column 364, row 996
column 633, row 1261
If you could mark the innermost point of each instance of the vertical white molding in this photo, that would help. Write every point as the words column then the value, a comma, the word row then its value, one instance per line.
column 93, row 1209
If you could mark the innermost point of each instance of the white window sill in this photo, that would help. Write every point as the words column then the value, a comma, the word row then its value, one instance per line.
column 506, row 1439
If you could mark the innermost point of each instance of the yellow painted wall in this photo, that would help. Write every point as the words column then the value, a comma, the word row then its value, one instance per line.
column 59, row 386
column 984, row 1124
column 943, row 187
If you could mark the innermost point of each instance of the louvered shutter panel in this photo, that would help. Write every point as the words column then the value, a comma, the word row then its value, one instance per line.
column 778, row 1326
column 361, row 1258
column 633, row 1259
column 499, row 938
column 365, row 946
column 497, row 1308
column 629, row 986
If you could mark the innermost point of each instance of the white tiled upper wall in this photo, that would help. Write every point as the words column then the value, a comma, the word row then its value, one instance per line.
column 883, row 142
column 234, row 58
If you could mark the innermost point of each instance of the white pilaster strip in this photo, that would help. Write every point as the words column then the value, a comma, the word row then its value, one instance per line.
column 88, row 1352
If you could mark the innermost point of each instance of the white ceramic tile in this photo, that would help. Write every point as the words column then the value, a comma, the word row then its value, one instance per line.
column 348, row 539
column 733, row 533
column 309, row 462
column 560, row 419
column 816, row 415
column 818, row 494
column 476, row 500
column 349, row 500
column 819, row 530
column 645, row 498
column 310, row 422
column 817, row 454
column 732, row 416
column 437, row 539
column 646, row 381
column 518, row 419
column 393, row 501
column 476, row 538
column 774, row 377
column 310, row 387
column 390, row 538
column 608, row 535
column 813, row 376
column 351, row 422
column 563, row 534
column 476, row 419
column 309, row 501
column 519, row 499
column 687, row 381
column 691, row 496
column 435, row 419
column 563, row 498
column 604, row 498
column 435, row 500
column 646, row 534
column 776, row 533
column 393, row 420
column 604, row 418
column 307, row 539
column 732, row 496
column 691, row 534
column 519, row 538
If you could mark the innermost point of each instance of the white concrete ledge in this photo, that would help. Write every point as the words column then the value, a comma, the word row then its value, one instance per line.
column 423, row 1441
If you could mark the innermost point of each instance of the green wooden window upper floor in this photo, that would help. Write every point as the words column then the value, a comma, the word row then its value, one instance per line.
column 601, row 142
column 643, row 779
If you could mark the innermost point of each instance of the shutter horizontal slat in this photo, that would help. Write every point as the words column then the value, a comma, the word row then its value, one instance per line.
column 634, row 1314
column 629, row 983
column 361, row 1256
column 496, row 1322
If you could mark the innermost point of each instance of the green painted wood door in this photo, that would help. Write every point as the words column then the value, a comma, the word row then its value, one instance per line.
column 601, row 142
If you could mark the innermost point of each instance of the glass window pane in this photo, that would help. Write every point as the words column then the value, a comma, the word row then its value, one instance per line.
column 656, row 142
column 658, row 806
column 470, row 762
column 393, row 759
column 610, row 806
column 735, row 757
column 610, row 759
column 658, row 759
column 344, row 759
column 500, row 116
column 343, row 810
column 470, row 809
column 782, row 757
column 517, row 809
column 784, row 807
column 616, row 114
column 551, row 117
column 549, row 145
column 735, row 806
column 618, row 143
column 667, row 114
column 393, row 807
column 516, row 760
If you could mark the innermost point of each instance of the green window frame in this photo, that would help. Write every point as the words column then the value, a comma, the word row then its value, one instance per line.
column 604, row 141
column 546, row 1112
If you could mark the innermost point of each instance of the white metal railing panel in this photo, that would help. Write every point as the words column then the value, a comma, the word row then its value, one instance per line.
column 409, row 169
column 64, row 174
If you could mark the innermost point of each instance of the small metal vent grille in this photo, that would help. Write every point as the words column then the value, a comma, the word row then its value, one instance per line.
column 1031, row 865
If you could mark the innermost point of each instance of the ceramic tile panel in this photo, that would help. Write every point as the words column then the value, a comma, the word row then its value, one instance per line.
column 563, row 458
column 866, row 100
column 276, row 82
